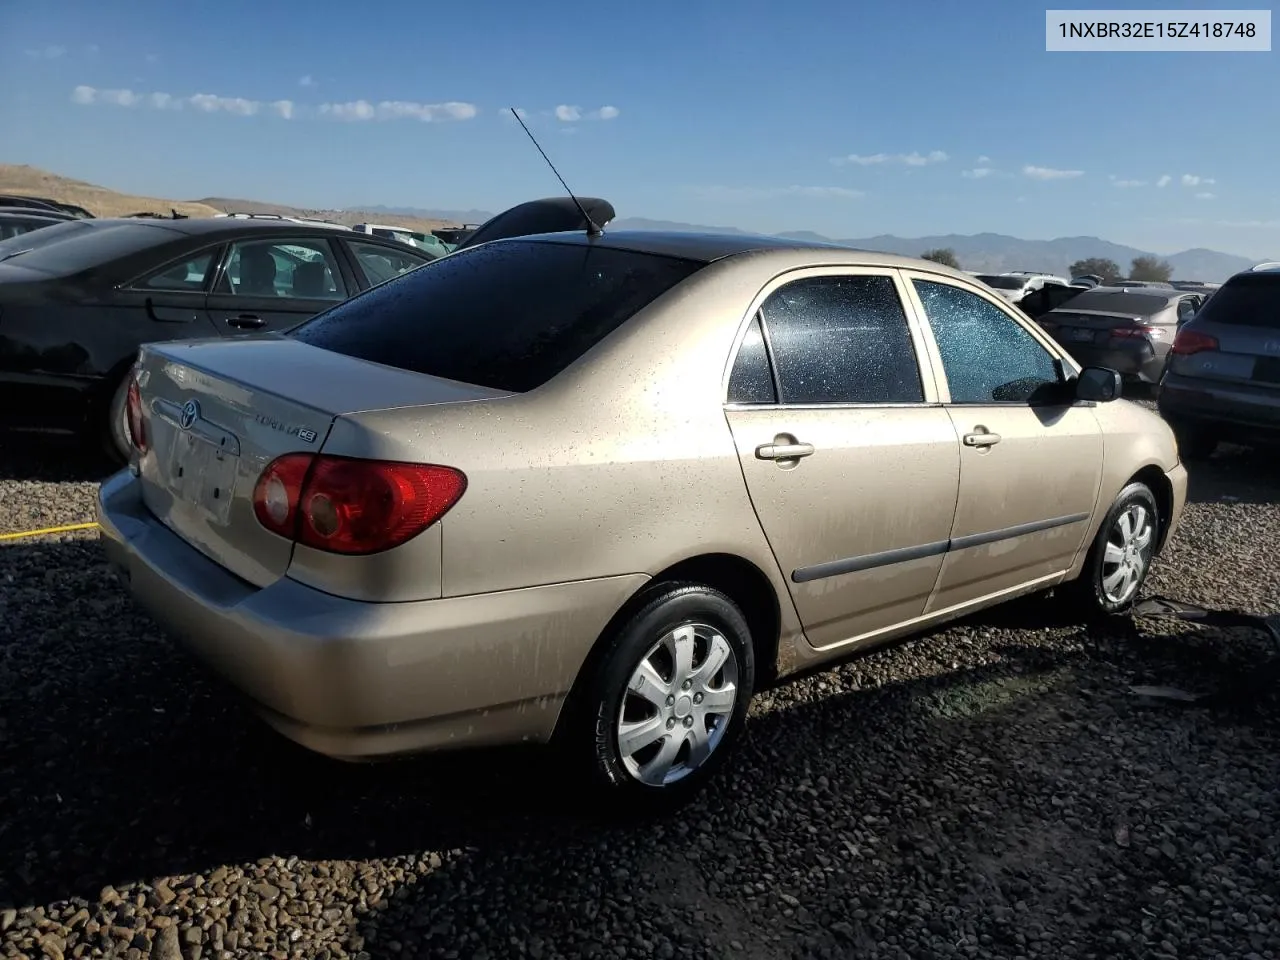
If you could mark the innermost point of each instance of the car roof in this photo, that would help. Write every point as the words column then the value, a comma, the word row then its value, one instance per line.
column 709, row 247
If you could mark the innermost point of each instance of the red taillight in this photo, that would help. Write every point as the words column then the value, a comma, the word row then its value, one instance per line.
column 133, row 413
column 1133, row 331
column 1188, row 342
column 352, row 506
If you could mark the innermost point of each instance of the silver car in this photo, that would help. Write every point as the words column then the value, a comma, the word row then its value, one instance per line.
column 1223, row 378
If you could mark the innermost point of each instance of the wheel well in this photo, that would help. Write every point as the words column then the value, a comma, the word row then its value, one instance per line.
column 738, row 579
column 1160, row 486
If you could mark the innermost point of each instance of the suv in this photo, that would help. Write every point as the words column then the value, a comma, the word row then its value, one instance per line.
column 1223, row 381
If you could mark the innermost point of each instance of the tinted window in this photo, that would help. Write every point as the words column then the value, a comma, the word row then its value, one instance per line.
column 986, row 356
column 187, row 275
column 751, row 380
column 842, row 340
column 1248, row 300
column 1003, row 283
column 507, row 315
column 1115, row 300
column 304, row 269
column 76, row 245
column 381, row 263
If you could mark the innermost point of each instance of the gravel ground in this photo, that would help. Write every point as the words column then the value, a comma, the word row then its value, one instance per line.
column 993, row 790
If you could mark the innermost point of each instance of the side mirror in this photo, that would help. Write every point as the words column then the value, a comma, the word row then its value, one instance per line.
column 1098, row 384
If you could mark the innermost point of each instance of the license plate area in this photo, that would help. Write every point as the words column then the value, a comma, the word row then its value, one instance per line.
column 1078, row 335
column 1267, row 370
column 202, row 473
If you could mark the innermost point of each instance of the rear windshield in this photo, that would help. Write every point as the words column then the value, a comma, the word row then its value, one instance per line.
column 508, row 315
column 1136, row 304
column 1248, row 300
column 76, row 245
column 1003, row 283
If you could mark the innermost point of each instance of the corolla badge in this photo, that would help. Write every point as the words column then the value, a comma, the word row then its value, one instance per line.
column 190, row 414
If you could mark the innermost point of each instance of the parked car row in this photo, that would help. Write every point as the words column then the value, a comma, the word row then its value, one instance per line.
column 78, row 298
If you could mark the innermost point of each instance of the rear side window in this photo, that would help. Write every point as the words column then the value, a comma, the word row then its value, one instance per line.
column 508, row 315
column 76, row 245
column 752, row 378
column 1248, row 300
column 842, row 340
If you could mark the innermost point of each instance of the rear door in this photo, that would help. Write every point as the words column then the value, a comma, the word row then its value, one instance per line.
column 1030, row 470
column 850, row 462
column 267, row 285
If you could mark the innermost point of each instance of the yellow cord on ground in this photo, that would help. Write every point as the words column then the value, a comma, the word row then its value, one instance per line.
column 46, row 531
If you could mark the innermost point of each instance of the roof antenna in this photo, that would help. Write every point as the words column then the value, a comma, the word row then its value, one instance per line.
column 593, row 230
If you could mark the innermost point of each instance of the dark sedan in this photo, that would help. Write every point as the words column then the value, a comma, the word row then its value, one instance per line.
column 1127, row 330
column 15, row 221
column 77, row 299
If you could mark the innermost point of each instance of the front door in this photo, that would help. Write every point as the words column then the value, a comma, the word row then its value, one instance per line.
column 850, row 464
column 1030, row 458
column 272, row 285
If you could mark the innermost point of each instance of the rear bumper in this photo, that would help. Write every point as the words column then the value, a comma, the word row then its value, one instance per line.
column 1231, row 414
column 1135, row 361
column 357, row 680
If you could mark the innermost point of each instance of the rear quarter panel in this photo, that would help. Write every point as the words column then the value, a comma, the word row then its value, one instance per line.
column 624, row 464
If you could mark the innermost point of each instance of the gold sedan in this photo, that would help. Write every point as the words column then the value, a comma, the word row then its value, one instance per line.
column 598, row 489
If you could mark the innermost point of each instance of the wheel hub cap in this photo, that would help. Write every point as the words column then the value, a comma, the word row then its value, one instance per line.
column 1127, row 553
column 677, row 704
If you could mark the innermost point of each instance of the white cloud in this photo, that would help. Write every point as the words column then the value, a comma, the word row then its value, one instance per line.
column 212, row 103
column 83, row 94
column 912, row 159
column 118, row 98
column 306, row 81
column 283, row 109
column 977, row 173
column 1128, row 183
column 398, row 110
column 567, row 113
column 1191, row 180
column 163, row 101
column 1049, row 173
column 47, row 53
column 1205, row 196
column 723, row 194
column 982, row 159
column 1164, row 181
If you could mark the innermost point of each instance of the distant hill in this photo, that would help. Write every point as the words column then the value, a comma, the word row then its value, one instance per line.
column 982, row 251
column 997, row 252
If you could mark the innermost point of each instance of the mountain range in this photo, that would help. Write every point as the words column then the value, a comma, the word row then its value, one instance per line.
column 988, row 252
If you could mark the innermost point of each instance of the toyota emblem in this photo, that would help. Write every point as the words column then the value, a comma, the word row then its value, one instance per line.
column 190, row 414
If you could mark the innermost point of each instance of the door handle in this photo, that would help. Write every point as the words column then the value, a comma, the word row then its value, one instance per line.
column 981, row 437
column 783, row 451
column 246, row 321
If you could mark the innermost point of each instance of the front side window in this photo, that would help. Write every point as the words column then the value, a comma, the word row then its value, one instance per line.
column 303, row 269
column 842, row 339
column 986, row 355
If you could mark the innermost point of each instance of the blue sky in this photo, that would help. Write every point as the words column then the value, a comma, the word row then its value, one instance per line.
column 847, row 119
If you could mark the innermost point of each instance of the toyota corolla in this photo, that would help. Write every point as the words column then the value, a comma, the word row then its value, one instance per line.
column 597, row 489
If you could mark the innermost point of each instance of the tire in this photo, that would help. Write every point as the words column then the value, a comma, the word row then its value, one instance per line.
column 1095, row 590
column 665, row 722
column 113, row 432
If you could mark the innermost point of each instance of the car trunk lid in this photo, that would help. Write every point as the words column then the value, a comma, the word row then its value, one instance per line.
column 1098, row 327
column 216, row 412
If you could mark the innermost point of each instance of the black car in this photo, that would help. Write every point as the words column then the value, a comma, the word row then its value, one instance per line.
column 43, row 203
column 15, row 221
column 78, row 298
